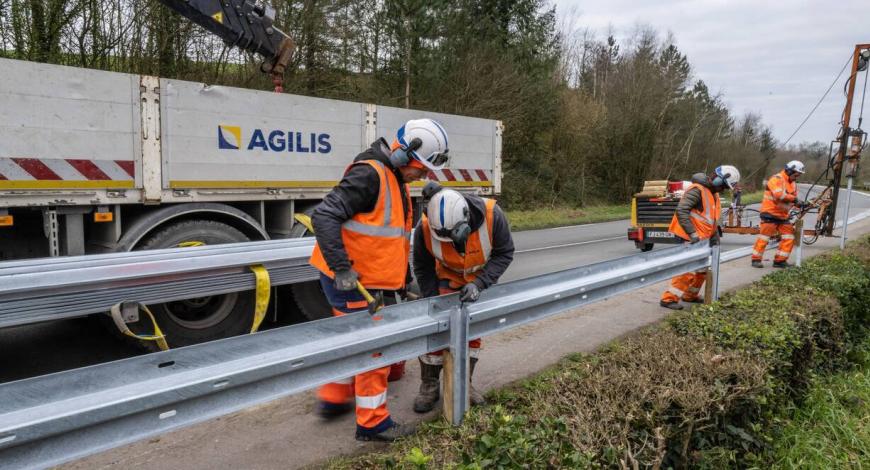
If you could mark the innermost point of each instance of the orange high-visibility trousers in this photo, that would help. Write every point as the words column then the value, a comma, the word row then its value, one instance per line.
column 437, row 358
column 369, row 388
column 786, row 232
column 685, row 286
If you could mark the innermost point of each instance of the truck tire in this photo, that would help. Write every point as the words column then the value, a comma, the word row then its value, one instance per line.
column 192, row 321
column 309, row 296
column 644, row 247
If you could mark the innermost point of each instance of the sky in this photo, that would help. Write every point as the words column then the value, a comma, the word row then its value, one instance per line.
column 775, row 58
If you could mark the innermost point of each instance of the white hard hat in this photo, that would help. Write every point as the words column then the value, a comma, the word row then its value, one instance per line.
column 446, row 210
column 795, row 166
column 432, row 151
column 729, row 173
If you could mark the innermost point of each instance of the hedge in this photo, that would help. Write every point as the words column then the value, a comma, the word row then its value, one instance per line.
column 703, row 389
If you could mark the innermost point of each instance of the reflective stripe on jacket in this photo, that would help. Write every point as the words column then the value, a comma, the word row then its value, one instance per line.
column 704, row 219
column 449, row 264
column 377, row 242
column 779, row 196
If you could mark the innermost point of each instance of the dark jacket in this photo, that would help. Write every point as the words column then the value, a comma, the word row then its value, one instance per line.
column 356, row 193
column 500, row 258
column 692, row 200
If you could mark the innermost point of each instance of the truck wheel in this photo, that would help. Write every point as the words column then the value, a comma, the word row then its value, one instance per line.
column 309, row 296
column 191, row 321
column 644, row 246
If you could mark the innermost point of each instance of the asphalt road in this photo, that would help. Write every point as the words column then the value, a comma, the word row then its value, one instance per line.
column 50, row 347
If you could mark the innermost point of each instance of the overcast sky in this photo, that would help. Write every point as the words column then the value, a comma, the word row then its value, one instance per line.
column 772, row 57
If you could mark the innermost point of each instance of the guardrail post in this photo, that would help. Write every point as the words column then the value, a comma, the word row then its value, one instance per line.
column 711, row 286
column 799, row 240
column 456, row 367
column 846, row 214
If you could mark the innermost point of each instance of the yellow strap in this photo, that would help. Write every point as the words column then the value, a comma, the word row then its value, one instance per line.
column 264, row 290
column 158, row 335
column 305, row 220
column 264, row 285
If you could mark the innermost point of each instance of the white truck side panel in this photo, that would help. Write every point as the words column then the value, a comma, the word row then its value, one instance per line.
column 75, row 136
column 67, row 128
column 223, row 137
column 473, row 144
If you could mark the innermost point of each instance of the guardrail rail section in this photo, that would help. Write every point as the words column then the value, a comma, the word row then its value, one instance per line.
column 56, row 418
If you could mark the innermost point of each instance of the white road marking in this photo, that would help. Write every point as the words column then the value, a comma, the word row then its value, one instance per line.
column 571, row 244
column 584, row 225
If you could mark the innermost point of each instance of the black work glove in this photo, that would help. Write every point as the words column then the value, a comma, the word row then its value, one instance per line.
column 717, row 234
column 693, row 238
column 469, row 293
column 802, row 204
column 346, row 280
column 402, row 293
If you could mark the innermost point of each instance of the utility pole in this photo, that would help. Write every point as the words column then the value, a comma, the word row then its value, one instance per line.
column 847, row 154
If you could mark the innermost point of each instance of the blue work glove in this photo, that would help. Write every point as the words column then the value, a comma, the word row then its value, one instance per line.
column 469, row 293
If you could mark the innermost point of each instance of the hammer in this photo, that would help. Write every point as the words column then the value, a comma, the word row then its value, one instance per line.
column 375, row 302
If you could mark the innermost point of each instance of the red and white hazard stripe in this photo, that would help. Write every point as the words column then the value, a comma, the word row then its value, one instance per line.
column 461, row 175
column 68, row 169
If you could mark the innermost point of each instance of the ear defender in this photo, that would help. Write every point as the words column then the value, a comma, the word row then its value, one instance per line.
column 400, row 157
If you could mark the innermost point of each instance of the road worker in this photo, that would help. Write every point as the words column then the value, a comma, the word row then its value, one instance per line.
column 363, row 228
column 779, row 197
column 697, row 219
column 462, row 244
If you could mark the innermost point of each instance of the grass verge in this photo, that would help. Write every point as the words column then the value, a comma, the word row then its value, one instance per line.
column 752, row 198
column 563, row 216
column 709, row 388
column 831, row 427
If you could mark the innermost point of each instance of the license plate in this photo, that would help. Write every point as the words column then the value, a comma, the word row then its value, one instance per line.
column 652, row 234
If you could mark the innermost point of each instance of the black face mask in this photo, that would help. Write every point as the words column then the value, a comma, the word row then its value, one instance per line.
column 458, row 235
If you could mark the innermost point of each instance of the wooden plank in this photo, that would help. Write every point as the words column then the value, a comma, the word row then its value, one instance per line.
column 447, row 385
column 708, row 287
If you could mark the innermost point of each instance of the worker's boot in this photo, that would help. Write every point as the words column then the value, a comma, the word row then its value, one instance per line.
column 671, row 305
column 430, row 388
column 781, row 264
column 395, row 431
column 756, row 263
column 696, row 300
column 329, row 411
column 475, row 397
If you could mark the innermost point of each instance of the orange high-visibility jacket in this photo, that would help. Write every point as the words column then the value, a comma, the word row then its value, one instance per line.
column 449, row 264
column 377, row 242
column 704, row 219
column 779, row 195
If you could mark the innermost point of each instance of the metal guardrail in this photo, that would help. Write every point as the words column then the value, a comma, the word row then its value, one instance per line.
column 56, row 418
column 60, row 417
column 57, row 288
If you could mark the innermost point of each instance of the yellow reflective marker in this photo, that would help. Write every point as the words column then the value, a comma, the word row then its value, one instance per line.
column 219, row 17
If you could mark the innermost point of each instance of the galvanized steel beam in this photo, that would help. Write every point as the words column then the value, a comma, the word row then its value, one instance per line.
column 52, row 419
